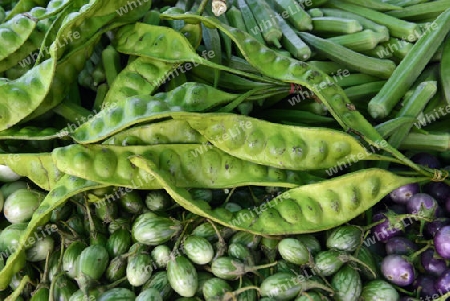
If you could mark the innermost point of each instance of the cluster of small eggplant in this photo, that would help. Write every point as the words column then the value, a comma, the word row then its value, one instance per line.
column 411, row 236
column 141, row 245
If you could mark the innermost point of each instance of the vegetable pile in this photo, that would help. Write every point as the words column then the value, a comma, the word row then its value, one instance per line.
column 224, row 150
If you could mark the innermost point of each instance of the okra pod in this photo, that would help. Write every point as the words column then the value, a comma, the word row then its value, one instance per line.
column 335, row 25
column 356, row 61
column 409, row 68
column 397, row 28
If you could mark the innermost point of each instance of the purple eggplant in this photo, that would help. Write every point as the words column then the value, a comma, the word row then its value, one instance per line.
column 440, row 212
column 404, row 193
column 438, row 190
column 398, row 270
column 385, row 230
column 400, row 246
column 442, row 284
column 425, row 285
column 427, row 160
column 422, row 204
column 431, row 264
column 447, row 204
column 433, row 227
column 442, row 242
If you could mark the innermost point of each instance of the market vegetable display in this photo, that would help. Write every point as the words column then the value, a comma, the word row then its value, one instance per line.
column 224, row 150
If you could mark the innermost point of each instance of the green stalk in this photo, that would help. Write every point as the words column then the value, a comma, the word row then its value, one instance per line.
column 102, row 90
column 71, row 111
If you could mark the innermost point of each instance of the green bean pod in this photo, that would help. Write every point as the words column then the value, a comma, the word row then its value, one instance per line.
column 172, row 131
column 191, row 165
column 134, row 39
column 53, row 29
column 190, row 96
column 23, row 6
column 66, row 187
column 289, row 147
column 66, row 72
column 53, row 7
column 85, row 22
column 17, row 71
column 70, row 66
column 305, row 209
column 17, row 97
column 39, row 168
column 14, row 33
column 289, row 70
column 29, row 133
column 140, row 77
column 24, row 56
